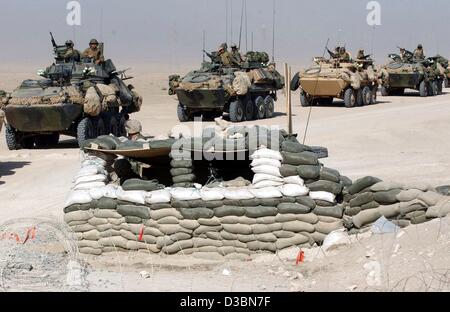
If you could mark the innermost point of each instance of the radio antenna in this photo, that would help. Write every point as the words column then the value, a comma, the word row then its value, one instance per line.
column 240, row 28
column 231, row 20
column 204, row 45
column 226, row 20
column 246, row 27
column 273, row 33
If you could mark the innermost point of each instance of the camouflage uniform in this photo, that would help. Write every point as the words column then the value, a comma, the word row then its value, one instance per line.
column 71, row 54
column 93, row 53
column 344, row 56
column 360, row 55
column 418, row 53
column 236, row 54
column 134, row 129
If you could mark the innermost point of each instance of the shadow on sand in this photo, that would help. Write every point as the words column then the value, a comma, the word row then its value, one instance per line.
column 9, row 168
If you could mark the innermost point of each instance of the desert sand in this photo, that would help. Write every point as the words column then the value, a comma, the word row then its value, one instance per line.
column 402, row 139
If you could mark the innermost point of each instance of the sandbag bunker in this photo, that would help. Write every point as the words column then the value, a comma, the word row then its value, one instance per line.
column 292, row 200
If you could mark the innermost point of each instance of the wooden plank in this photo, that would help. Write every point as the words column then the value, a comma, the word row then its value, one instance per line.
column 136, row 153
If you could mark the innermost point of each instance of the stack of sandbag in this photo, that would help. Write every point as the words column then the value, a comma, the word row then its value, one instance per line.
column 369, row 198
column 91, row 175
column 182, row 172
column 266, row 165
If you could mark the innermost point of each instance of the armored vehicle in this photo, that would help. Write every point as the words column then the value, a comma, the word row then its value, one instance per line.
column 406, row 72
column 353, row 81
column 80, row 99
column 247, row 91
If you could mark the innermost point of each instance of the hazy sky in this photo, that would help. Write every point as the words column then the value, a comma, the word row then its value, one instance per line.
column 171, row 30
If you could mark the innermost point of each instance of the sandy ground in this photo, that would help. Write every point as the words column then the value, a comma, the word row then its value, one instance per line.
column 402, row 138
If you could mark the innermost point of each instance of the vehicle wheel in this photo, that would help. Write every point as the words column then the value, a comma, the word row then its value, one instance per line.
column 359, row 98
column 366, row 96
column 295, row 82
column 385, row 91
column 237, row 111
column 260, row 108
column 423, row 89
column 350, row 98
column 249, row 110
column 434, row 88
column 85, row 130
column 440, row 87
column 305, row 99
column 11, row 138
column 183, row 114
column 447, row 83
column 270, row 106
column 100, row 126
column 112, row 125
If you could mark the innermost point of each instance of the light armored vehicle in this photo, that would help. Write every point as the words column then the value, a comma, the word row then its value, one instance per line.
column 353, row 81
column 246, row 92
column 408, row 73
column 81, row 99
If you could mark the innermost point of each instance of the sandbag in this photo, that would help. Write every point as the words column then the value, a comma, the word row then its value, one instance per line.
column 260, row 211
column 294, row 147
column 180, row 171
column 336, row 211
column 386, row 198
column 229, row 211
column 268, row 170
column 238, row 193
column 163, row 213
column 78, row 197
column 266, row 153
column 308, row 172
column 325, row 186
column 414, row 205
column 326, row 196
column 294, row 180
column 141, row 185
column 266, row 193
column 137, row 197
column 259, row 177
column 366, row 217
column 294, row 190
column 307, row 201
column 297, row 240
column 362, row 183
column 266, row 183
column 158, row 197
column 241, row 83
column 78, row 216
column 185, row 193
column 181, row 163
column 441, row 210
column 212, row 194
column 327, row 228
column 91, row 178
column 406, row 196
column 287, row 208
column 196, row 213
column 297, row 159
column 390, row 211
column 371, row 205
column 266, row 162
column 184, row 178
column 386, row 186
column 189, row 224
column 142, row 212
column 238, row 229
column 352, row 211
column 330, row 175
column 288, row 171
column 88, row 185
column 430, row 198
column 361, row 199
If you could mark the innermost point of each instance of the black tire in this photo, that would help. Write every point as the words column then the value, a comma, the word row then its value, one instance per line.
column 183, row 113
column 237, row 112
column 260, row 108
column 366, row 96
column 11, row 138
column 447, row 83
column 305, row 100
column 249, row 110
column 112, row 125
column 434, row 90
column 350, row 98
column 440, row 84
column 423, row 89
column 295, row 82
column 85, row 130
column 359, row 97
column 269, row 104
column 385, row 91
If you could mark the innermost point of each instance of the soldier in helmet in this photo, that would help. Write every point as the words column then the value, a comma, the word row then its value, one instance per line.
column 360, row 55
column 134, row 129
column 344, row 56
column 418, row 53
column 71, row 54
column 236, row 54
column 93, row 52
column 225, row 57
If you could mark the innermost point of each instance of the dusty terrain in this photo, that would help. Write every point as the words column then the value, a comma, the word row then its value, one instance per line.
column 402, row 138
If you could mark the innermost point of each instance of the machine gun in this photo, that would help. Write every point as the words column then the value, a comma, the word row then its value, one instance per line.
column 408, row 56
column 58, row 50
column 213, row 56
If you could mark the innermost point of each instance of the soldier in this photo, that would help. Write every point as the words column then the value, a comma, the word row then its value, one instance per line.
column 93, row 52
column 344, row 56
column 225, row 57
column 134, row 129
column 361, row 55
column 418, row 53
column 71, row 55
column 236, row 54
